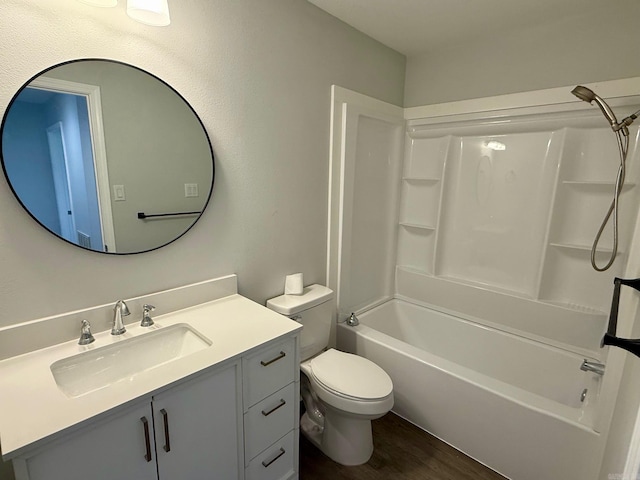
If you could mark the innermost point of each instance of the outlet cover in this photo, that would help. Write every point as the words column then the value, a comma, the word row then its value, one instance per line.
column 190, row 189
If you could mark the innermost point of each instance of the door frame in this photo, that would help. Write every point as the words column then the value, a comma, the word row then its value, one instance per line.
column 98, row 146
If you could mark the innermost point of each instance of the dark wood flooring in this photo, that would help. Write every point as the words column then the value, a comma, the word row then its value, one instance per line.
column 400, row 451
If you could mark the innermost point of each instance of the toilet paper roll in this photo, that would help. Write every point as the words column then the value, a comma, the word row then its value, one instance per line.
column 293, row 284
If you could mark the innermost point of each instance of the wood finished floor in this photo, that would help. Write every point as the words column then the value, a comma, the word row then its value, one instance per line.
column 401, row 451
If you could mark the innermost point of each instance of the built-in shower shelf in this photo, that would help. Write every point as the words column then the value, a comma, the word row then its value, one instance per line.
column 421, row 179
column 575, row 307
column 592, row 185
column 417, row 225
column 531, row 274
column 502, row 289
column 583, row 248
column 415, row 270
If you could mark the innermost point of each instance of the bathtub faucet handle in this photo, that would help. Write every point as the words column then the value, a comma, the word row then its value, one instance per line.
column 352, row 321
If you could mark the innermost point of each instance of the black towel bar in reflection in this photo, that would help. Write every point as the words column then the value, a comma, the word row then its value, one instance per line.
column 142, row 215
column 628, row 344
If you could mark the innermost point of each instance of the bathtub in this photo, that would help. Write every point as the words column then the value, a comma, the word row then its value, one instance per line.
column 523, row 408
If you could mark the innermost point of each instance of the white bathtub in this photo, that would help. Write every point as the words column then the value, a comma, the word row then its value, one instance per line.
column 511, row 403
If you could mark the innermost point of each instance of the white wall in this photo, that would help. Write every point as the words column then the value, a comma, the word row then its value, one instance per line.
column 588, row 47
column 259, row 75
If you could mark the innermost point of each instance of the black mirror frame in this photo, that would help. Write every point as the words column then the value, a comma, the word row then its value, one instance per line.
column 15, row 194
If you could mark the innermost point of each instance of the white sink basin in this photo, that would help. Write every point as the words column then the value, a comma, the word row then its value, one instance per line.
column 123, row 360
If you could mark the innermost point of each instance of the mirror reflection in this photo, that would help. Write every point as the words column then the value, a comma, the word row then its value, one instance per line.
column 106, row 156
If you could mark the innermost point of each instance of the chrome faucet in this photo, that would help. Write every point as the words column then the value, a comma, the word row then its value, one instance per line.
column 85, row 334
column 595, row 367
column 119, row 311
column 147, row 321
column 352, row 321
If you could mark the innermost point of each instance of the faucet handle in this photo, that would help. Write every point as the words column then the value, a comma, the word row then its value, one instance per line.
column 147, row 321
column 85, row 334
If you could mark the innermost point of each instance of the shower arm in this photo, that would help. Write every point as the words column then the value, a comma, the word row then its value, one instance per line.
column 629, row 344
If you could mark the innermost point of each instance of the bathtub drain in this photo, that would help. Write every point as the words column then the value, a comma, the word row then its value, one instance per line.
column 583, row 395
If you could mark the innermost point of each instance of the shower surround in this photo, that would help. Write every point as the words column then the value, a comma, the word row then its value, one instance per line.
column 488, row 218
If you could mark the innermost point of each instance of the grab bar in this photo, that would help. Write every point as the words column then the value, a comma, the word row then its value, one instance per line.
column 629, row 344
column 142, row 215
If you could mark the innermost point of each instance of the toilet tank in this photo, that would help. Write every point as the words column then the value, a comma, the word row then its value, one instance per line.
column 314, row 310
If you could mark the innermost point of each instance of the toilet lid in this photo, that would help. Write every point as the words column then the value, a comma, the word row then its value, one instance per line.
column 351, row 375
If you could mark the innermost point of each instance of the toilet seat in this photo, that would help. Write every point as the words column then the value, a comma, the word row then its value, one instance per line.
column 350, row 383
column 350, row 375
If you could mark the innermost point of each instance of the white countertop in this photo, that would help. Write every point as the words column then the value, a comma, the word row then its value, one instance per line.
column 32, row 407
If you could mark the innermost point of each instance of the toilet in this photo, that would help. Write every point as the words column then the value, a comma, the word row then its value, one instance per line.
column 341, row 392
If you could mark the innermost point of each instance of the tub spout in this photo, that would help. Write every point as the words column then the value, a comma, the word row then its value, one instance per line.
column 595, row 367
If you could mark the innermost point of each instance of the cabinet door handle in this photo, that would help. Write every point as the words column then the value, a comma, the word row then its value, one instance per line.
column 165, row 419
column 281, row 404
column 280, row 453
column 147, row 442
column 269, row 362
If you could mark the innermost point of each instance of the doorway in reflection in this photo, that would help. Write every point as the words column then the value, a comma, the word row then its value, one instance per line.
column 49, row 145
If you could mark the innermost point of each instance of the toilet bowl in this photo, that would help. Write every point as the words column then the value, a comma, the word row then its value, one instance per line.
column 341, row 392
column 351, row 391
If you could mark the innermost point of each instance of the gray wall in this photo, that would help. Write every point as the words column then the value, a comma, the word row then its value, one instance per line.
column 259, row 75
column 588, row 47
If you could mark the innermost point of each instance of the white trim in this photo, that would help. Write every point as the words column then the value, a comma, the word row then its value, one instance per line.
column 552, row 96
column 346, row 107
column 628, row 312
column 632, row 465
column 94, row 103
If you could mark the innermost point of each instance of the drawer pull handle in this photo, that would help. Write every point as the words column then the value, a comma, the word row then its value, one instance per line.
column 147, row 442
column 165, row 418
column 281, row 404
column 280, row 453
column 264, row 364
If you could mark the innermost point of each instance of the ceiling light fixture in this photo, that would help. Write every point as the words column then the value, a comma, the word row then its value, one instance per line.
column 149, row 12
column 100, row 3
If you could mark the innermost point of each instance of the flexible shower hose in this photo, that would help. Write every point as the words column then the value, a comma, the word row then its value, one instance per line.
column 623, row 146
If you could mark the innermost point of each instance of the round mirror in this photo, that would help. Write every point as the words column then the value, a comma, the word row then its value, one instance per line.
column 107, row 156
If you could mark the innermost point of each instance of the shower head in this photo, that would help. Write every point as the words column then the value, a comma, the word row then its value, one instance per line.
column 588, row 95
column 584, row 93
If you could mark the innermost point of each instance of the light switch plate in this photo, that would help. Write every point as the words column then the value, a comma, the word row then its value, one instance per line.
column 118, row 193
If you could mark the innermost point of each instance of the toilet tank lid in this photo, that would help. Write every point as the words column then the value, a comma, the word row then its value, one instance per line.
column 312, row 296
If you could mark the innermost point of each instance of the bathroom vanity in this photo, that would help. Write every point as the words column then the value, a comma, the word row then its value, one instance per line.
column 210, row 391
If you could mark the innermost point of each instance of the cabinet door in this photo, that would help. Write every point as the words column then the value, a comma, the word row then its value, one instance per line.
column 113, row 449
column 197, row 428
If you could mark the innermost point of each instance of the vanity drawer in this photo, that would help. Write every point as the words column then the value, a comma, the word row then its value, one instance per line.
column 269, row 420
column 274, row 463
column 268, row 371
